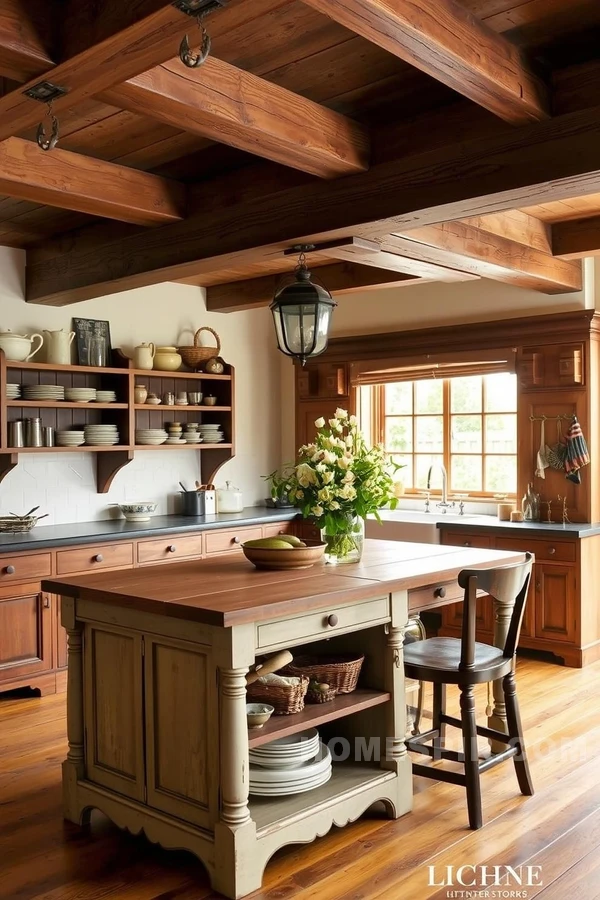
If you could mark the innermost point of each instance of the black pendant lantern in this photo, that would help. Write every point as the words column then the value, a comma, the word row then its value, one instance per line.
column 302, row 313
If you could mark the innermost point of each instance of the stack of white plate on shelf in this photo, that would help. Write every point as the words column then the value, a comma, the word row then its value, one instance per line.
column 289, row 765
column 212, row 434
column 80, row 394
column 51, row 392
column 152, row 436
column 175, row 440
column 106, row 397
column 69, row 438
column 192, row 437
column 13, row 391
column 101, row 435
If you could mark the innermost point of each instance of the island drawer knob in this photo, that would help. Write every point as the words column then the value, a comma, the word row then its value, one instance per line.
column 551, row 550
column 332, row 620
column 10, row 570
column 235, row 540
column 440, row 592
column 466, row 543
column 98, row 557
column 171, row 548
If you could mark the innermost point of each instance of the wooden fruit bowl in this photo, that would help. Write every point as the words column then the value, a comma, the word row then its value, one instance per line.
column 294, row 558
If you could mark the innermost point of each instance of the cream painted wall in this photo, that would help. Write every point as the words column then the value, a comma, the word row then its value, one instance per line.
column 63, row 484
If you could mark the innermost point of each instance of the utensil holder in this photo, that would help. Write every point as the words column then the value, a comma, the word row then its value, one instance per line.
column 192, row 503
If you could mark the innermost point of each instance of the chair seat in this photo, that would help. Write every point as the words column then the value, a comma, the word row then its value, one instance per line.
column 438, row 658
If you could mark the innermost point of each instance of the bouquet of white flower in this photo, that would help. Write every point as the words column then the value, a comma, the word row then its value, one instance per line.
column 338, row 479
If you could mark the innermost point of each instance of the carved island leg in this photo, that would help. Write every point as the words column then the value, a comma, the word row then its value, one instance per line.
column 497, row 720
column 394, row 755
column 73, row 768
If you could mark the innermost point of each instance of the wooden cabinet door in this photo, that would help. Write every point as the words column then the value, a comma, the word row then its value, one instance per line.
column 25, row 632
column 555, row 603
column 307, row 411
column 114, row 740
column 182, row 730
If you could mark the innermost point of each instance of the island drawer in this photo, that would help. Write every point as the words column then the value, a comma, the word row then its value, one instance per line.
column 88, row 559
column 169, row 548
column 323, row 623
column 434, row 595
column 553, row 551
column 460, row 539
column 22, row 568
column 224, row 541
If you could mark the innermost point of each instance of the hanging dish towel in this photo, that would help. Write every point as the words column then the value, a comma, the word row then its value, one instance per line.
column 557, row 453
column 542, row 462
column 577, row 452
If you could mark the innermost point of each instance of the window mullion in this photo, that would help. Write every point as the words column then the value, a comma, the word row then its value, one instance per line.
column 447, row 431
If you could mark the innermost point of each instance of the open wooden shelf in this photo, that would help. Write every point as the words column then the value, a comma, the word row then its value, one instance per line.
column 200, row 446
column 157, row 373
column 315, row 714
column 161, row 407
column 64, row 404
column 82, row 448
column 51, row 367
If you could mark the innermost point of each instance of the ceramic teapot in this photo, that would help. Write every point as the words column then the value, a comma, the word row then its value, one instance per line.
column 18, row 346
column 143, row 356
column 58, row 346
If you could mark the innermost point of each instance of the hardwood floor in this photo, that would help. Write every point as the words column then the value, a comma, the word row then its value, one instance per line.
column 374, row 859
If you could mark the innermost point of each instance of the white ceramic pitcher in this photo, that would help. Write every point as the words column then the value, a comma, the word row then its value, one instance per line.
column 143, row 356
column 58, row 344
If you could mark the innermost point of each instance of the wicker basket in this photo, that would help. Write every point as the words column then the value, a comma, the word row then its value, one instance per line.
column 286, row 699
column 195, row 355
column 313, row 696
column 17, row 524
column 339, row 672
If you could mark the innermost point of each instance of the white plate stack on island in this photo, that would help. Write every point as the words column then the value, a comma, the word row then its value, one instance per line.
column 289, row 765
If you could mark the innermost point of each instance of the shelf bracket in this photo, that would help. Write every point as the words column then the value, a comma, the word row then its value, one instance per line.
column 8, row 461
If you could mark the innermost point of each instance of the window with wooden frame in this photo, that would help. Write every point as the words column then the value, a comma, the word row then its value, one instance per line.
column 469, row 424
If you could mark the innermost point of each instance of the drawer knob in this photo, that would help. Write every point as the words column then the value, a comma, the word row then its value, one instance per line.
column 466, row 543
column 10, row 570
column 171, row 548
column 551, row 550
column 235, row 540
column 46, row 602
column 98, row 557
column 332, row 620
column 440, row 592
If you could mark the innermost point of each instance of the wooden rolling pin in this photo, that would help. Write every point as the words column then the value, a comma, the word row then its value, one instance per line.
column 269, row 666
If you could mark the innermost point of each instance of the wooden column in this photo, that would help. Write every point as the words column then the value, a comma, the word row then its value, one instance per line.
column 234, row 748
column 74, row 764
column 396, row 756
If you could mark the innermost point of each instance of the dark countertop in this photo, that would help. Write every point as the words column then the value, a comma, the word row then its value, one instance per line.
column 527, row 529
column 48, row 536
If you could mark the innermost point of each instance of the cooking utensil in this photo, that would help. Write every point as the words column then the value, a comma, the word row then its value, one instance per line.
column 183, row 487
column 278, row 661
column 542, row 454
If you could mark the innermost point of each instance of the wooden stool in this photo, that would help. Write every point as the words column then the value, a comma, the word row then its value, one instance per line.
column 466, row 663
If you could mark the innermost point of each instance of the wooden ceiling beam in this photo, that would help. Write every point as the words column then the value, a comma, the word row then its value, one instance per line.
column 338, row 278
column 226, row 104
column 448, row 43
column 71, row 181
column 517, row 226
column 24, row 39
column 498, row 258
column 576, row 239
column 552, row 160
column 371, row 253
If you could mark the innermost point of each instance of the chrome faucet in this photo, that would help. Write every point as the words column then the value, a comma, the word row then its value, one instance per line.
column 443, row 505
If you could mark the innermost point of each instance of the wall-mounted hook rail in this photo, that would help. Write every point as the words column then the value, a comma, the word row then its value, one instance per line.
column 561, row 417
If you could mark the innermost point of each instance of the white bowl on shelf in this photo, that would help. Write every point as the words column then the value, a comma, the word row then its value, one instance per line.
column 141, row 511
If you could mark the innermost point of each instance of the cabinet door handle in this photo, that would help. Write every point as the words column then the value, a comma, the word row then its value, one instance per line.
column 440, row 592
column 235, row 540
column 98, row 557
column 171, row 548
column 551, row 550
column 46, row 602
column 10, row 570
column 332, row 620
column 538, row 585
column 467, row 544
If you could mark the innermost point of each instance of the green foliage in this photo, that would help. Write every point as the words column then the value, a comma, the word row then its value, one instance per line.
column 280, row 483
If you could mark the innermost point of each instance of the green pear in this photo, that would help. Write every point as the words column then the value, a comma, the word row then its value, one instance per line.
column 291, row 539
column 272, row 543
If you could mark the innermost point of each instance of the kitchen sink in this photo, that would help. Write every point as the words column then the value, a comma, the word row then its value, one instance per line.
column 416, row 525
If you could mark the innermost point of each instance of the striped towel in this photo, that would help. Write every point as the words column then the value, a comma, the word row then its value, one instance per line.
column 577, row 452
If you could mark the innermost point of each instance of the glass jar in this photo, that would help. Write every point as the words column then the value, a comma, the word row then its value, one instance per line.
column 344, row 538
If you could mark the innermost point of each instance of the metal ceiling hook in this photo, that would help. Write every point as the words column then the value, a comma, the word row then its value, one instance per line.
column 193, row 60
column 43, row 141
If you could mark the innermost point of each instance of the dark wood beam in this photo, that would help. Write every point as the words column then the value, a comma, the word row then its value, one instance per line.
column 552, row 160
column 338, row 278
column 448, row 43
column 25, row 39
column 226, row 104
column 576, row 239
column 373, row 254
column 71, row 181
column 496, row 257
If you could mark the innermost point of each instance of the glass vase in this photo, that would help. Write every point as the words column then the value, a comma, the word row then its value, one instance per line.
column 344, row 539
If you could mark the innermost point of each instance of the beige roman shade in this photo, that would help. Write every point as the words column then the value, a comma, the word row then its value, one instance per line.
column 427, row 366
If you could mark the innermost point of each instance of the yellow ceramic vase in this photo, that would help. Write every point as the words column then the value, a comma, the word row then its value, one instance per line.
column 167, row 359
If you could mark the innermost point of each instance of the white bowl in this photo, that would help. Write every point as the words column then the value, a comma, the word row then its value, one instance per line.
column 138, row 512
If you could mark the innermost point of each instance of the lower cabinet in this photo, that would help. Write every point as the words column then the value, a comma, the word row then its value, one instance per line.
column 555, row 603
column 26, row 633
column 147, row 689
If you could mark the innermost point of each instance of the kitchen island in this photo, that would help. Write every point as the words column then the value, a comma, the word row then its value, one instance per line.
column 157, row 659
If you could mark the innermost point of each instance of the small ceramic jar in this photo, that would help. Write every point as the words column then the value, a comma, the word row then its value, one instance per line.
column 210, row 401
column 168, row 399
column 214, row 366
column 182, row 399
column 140, row 393
column 167, row 359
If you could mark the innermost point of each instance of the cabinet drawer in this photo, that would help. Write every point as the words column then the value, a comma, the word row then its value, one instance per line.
column 88, row 559
column 277, row 528
column 165, row 549
column 559, row 551
column 22, row 568
column 323, row 623
column 224, row 541
column 460, row 539
column 434, row 595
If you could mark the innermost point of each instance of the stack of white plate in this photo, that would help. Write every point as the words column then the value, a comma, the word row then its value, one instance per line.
column 290, row 765
column 153, row 436
column 101, row 435
column 192, row 437
column 43, row 392
column 175, row 440
column 106, row 397
column 13, row 391
column 69, row 438
column 80, row 394
column 212, row 434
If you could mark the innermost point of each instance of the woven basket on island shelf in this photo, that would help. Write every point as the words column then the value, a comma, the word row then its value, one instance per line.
column 315, row 696
column 285, row 698
column 193, row 356
column 340, row 672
